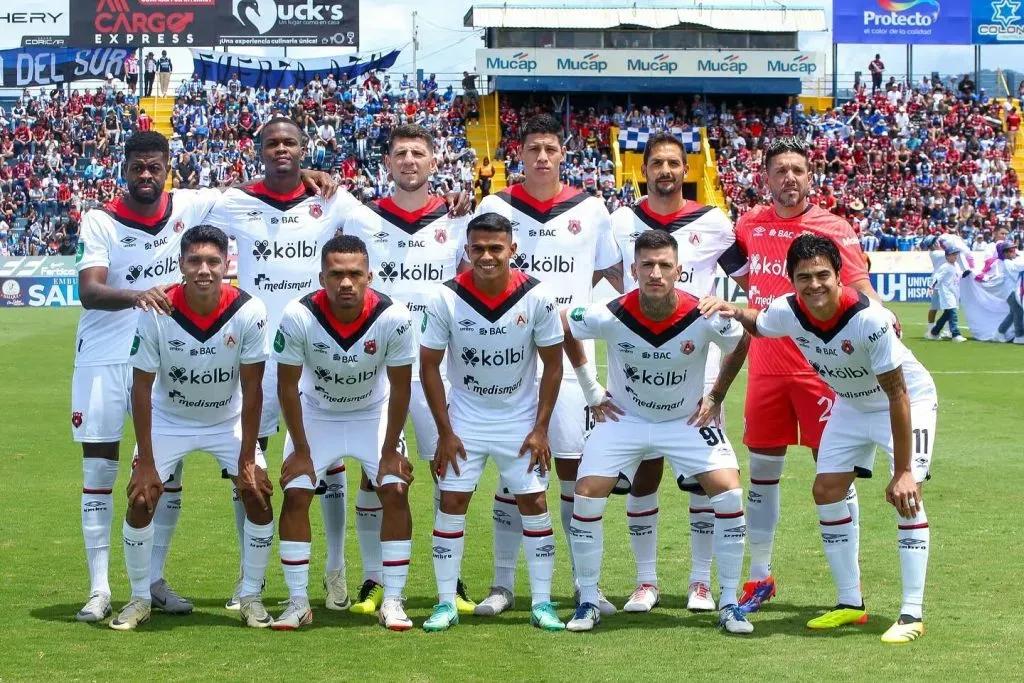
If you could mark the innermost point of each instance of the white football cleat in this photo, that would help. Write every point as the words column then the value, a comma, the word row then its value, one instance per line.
column 644, row 598
column 296, row 615
column 337, row 592
column 134, row 613
column 587, row 616
column 253, row 613
column 233, row 604
column 167, row 600
column 96, row 609
column 700, row 599
column 733, row 620
column 496, row 602
column 392, row 615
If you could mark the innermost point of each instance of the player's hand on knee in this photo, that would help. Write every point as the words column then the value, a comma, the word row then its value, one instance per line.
column 298, row 464
column 709, row 305
column 449, row 450
column 393, row 463
column 536, row 443
column 157, row 299
column 709, row 411
column 904, row 494
column 606, row 410
column 253, row 480
column 145, row 487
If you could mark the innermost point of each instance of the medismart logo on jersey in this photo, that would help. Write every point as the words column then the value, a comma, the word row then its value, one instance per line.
column 263, row 283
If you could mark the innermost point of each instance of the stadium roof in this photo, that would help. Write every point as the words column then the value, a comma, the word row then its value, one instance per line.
column 769, row 16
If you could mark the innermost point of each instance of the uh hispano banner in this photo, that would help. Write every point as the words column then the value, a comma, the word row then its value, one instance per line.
column 54, row 66
column 38, row 281
column 916, row 22
column 270, row 72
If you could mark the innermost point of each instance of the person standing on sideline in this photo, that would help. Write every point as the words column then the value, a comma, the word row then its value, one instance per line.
column 148, row 75
column 946, row 282
column 1013, row 284
column 131, row 71
column 877, row 69
column 164, row 67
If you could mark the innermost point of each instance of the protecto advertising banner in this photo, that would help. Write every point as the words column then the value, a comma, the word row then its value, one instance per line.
column 917, row 22
column 38, row 281
column 185, row 23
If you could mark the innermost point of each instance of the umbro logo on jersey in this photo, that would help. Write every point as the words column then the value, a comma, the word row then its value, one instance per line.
column 803, row 342
column 913, row 543
column 176, row 344
column 380, row 236
column 321, row 347
column 758, row 231
column 128, row 241
column 161, row 268
column 626, row 347
column 254, row 215
column 466, row 324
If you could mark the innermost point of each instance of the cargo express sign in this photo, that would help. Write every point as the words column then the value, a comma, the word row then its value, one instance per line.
column 651, row 63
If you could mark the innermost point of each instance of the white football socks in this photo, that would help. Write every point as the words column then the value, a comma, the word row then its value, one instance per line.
column 369, row 514
column 138, row 554
column 395, row 557
column 332, row 508
column 642, row 521
column 449, row 541
column 258, row 539
column 702, row 538
column 165, row 521
column 763, row 509
column 508, row 535
column 914, row 538
column 587, row 539
column 295, row 565
column 838, row 538
column 539, row 544
column 730, row 538
column 98, row 477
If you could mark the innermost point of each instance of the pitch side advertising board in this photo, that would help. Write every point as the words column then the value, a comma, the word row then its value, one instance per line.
column 38, row 281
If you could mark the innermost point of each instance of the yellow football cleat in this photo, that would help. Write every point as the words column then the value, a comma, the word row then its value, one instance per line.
column 905, row 630
column 371, row 595
column 840, row 615
column 463, row 605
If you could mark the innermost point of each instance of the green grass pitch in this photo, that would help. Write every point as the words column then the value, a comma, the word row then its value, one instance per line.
column 974, row 503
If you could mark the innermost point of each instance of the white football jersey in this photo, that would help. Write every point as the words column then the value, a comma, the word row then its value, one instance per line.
column 279, row 239
column 196, row 360
column 561, row 242
column 655, row 368
column 344, row 374
column 138, row 253
column 849, row 351
column 491, row 344
column 410, row 253
column 706, row 240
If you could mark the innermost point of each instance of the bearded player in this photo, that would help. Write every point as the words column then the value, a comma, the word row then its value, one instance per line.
column 787, row 403
column 564, row 240
column 706, row 241
column 413, row 244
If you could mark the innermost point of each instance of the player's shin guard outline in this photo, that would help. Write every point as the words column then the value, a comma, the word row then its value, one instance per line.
column 642, row 523
column 333, row 508
column 837, row 536
column 98, row 477
column 369, row 513
column 586, row 536
column 449, row 541
column 508, row 537
column 395, row 557
column 914, row 537
column 763, row 511
column 165, row 521
column 258, row 539
column 730, row 538
column 539, row 544
column 702, row 538
column 295, row 565
column 138, row 555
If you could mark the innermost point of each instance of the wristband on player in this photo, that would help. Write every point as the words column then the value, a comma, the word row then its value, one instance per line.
column 593, row 392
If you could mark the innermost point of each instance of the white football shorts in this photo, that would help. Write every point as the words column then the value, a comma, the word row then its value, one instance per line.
column 100, row 400
column 271, row 408
column 513, row 468
column 170, row 449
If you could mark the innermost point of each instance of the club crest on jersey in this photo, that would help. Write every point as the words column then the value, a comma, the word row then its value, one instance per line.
column 574, row 226
column 230, row 341
column 76, row 419
column 694, row 238
column 179, row 226
column 315, row 210
column 521, row 320
column 687, row 347
column 847, row 347
column 440, row 235
column 370, row 346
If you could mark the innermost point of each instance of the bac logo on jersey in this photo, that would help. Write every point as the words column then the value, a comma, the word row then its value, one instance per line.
column 315, row 210
column 178, row 226
column 440, row 235
column 542, row 233
column 285, row 220
column 575, row 227
column 370, row 346
column 687, row 347
column 76, row 420
column 847, row 347
column 156, row 243
column 412, row 244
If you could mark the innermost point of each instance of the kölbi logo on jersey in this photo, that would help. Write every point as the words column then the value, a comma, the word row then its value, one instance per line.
column 547, row 264
column 264, row 249
column 158, row 269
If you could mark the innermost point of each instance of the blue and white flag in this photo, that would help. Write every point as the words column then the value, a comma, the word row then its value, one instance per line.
column 635, row 139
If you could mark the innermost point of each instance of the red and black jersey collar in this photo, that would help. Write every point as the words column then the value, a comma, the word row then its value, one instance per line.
column 151, row 225
column 655, row 332
column 346, row 334
column 671, row 222
column 851, row 302
column 542, row 212
column 203, row 327
column 492, row 308
column 281, row 202
column 410, row 222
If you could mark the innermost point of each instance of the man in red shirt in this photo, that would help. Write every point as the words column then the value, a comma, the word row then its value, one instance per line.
column 145, row 122
column 787, row 403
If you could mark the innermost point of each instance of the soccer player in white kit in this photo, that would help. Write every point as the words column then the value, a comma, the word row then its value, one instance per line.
column 884, row 398
column 494, row 322
column 564, row 240
column 334, row 348
column 413, row 243
column 196, row 387
column 656, row 407
column 706, row 241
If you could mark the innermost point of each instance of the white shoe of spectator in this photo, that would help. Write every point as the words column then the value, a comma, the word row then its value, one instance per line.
column 930, row 337
column 945, row 334
column 959, row 339
column 1018, row 340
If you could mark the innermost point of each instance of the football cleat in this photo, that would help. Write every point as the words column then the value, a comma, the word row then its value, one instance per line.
column 393, row 617
column 543, row 617
column 166, row 600
column 337, row 592
column 134, row 613
column 644, row 598
column 603, row 603
column 462, row 601
column 443, row 618
column 253, row 613
column 756, row 593
column 587, row 616
column 295, row 615
column 840, row 615
column 699, row 599
column 734, row 620
column 96, row 609
column 233, row 604
column 496, row 602
column 905, row 630
column 371, row 595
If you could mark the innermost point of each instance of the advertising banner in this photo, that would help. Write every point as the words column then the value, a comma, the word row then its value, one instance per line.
column 651, row 63
column 184, row 23
column 38, row 281
column 916, row 22
column 27, row 23
column 270, row 72
column 996, row 21
column 53, row 66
